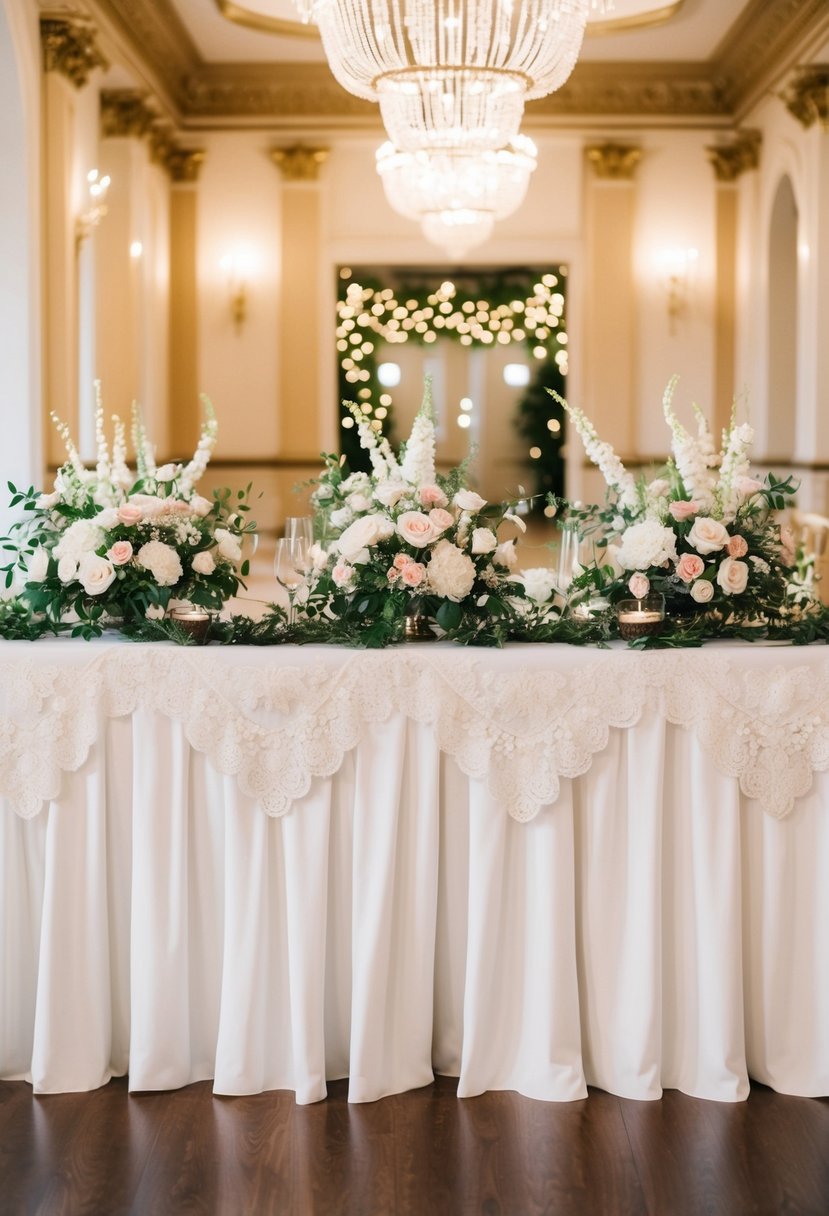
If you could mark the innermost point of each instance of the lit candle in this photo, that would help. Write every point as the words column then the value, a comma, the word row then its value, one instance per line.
column 640, row 618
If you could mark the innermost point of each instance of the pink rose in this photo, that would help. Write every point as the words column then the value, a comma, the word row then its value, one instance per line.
column 129, row 514
column 702, row 591
column 737, row 546
column 177, row 506
column 393, row 574
column 401, row 560
column 746, row 486
column 416, row 529
column 441, row 519
column 432, row 496
column 683, row 510
column 342, row 574
column 732, row 576
column 120, row 553
column 413, row 574
column 708, row 535
column 639, row 585
column 689, row 567
column 200, row 506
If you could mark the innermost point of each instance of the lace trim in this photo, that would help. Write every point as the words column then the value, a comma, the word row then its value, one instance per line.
column 520, row 722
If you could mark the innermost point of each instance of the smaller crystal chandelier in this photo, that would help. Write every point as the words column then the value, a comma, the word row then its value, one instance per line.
column 457, row 194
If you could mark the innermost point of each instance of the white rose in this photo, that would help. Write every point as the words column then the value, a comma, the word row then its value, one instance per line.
column 707, row 535
column 702, row 591
column 450, row 572
column 646, row 544
column 365, row 531
column 342, row 574
column 359, row 502
column 38, row 565
column 505, row 555
column 659, row 488
column 167, row 472
column 45, row 502
column 319, row 556
column 342, row 517
column 390, row 492
column 416, row 529
column 204, row 562
column 539, row 583
column 483, row 540
column 154, row 612
column 151, row 505
column 95, row 573
column 107, row 518
column 200, row 506
column 323, row 492
column 468, row 500
column 732, row 576
column 162, row 561
column 67, row 568
column 229, row 548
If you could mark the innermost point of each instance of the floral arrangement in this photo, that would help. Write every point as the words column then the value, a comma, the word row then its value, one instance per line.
column 404, row 541
column 703, row 534
column 109, row 545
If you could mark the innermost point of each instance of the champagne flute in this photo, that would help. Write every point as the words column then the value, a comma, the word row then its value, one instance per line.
column 291, row 566
column 300, row 526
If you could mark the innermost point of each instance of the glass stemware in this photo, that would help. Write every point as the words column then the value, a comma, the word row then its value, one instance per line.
column 301, row 527
column 568, row 555
column 291, row 562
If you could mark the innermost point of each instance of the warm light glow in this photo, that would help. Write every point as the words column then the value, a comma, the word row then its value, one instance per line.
column 136, row 249
column 464, row 421
column 516, row 375
column 389, row 374
column 239, row 265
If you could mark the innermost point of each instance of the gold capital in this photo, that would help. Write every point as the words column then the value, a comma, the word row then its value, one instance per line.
column 730, row 160
column 125, row 112
column 69, row 47
column 807, row 96
column 614, row 162
column 184, row 164
column 299, row 164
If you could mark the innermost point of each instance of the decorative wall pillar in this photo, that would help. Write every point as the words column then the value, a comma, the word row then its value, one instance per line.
column 300, row 312
column 184, row 167
column 807, row 95
column 610, row 296
column 729, row 161
column 70, row 55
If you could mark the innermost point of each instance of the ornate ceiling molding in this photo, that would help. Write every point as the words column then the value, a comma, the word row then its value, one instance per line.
column 131, row 114
column 759, row 51
column 807, row 96
column 299, row 164
column 70, row 47
column 731, row 160
column 613, row 162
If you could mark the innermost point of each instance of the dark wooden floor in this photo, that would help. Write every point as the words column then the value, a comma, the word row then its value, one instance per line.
column 426, row 1152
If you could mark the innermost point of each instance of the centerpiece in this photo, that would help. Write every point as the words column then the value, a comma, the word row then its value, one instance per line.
column 702, row 536
column 113, row 546
column 404, row 552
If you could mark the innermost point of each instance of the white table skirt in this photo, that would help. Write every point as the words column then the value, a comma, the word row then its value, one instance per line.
column 652, row 927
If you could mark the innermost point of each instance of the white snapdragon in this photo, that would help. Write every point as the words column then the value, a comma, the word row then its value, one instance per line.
column 418, row 467
column 692, row 455
column 603, row 456
column 734, row 470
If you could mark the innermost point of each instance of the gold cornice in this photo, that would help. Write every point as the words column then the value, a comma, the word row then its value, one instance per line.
column 184, row 164
column 299, row 164
column 730, row 160
column 761, row 47
column 807, row 96
column 70, row 47
column 613, row 162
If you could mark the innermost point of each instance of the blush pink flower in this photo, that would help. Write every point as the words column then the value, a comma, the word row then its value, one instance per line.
column 682, row 510
column 393, row 573
column 639, row 585
column 120, row 553
column 441, row 519
column 737, row 546
column 401, row 560
column 689, row 567
column 416, row 529
column 432, row 496
column 413, row 574
column 130, row 514
column 787, row 554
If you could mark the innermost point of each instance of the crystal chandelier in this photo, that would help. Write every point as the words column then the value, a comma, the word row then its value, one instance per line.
column 450, row 73
column 457, row 195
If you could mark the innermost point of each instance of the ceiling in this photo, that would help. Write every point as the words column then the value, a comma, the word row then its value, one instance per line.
column 211, row 63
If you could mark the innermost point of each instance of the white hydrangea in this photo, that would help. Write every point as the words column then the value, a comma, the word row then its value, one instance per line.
column 646, row 544
column 539, row 583
column 450, row 572
column 82, row 536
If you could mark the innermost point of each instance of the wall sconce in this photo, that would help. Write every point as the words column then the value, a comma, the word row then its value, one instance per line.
column 237, row 266
column 677, row 267
column 88, row 220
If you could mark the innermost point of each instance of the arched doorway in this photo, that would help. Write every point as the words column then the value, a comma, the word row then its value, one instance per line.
column 782, row 323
